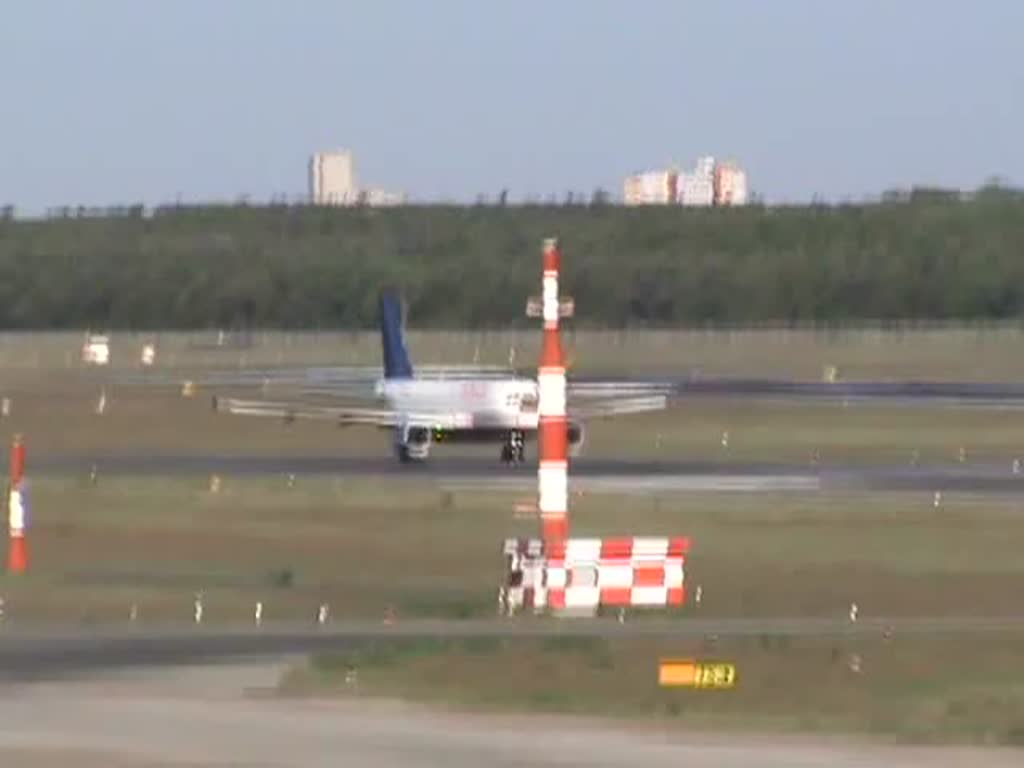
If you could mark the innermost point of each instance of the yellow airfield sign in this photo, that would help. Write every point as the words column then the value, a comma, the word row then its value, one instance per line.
column 689, row 673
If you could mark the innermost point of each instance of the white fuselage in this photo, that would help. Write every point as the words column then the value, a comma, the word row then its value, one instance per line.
column 464, row 404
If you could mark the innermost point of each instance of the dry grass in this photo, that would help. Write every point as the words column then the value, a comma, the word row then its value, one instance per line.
column 981, row 354
column 431, row 552
column 941, row 690
column 361, row 545
column 55, row 411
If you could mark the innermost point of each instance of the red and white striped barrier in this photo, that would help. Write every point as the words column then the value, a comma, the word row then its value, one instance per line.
column 577, row 575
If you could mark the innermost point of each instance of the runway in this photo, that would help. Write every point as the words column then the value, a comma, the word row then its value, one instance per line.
column 990, row 394
column 211, row 718
column 37, row 654
column 124, row 699
column 607, row 475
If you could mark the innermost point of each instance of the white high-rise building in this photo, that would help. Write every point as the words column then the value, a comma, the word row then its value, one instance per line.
column 332, row 179
column 381, row 198
column 650, row 188
column 698, row 187
column 730, row 184
column 709, row 183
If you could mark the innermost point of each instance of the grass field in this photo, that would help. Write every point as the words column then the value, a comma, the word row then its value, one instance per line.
column 361, row 545
column 55, row 411
column 158, row 540
column 431, row 552
column 938, row 690
column 154, row 543
column 983, row 353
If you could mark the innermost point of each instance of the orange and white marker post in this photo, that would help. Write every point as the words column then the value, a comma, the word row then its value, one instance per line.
column 553, row 470
column 17, row 555
column 629, row 571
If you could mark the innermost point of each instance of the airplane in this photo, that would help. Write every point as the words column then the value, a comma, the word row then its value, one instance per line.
column 427, row 410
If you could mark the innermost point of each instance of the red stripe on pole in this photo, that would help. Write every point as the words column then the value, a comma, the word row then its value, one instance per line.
column 552, row 256
column 17, row 555
column 554, row 439
column 17, row 461
column 554, row 551
column 556, row 528
column 551, row 349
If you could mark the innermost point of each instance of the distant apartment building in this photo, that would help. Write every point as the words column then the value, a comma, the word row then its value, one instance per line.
column 332, row 178
column 650, row 188
column 730, row 184
column 697, row 187
column 381, row 198
column 332, row 181
column 708, row 183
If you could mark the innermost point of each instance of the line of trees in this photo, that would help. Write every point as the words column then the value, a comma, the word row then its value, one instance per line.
column 926, row 256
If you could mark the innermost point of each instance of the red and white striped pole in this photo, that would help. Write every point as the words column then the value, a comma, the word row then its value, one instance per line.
column 553, row 472
column 17, row 554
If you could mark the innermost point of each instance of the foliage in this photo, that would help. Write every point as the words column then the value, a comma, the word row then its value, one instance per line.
column 922, row 255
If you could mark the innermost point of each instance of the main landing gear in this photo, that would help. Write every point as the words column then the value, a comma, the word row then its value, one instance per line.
column 514, row 449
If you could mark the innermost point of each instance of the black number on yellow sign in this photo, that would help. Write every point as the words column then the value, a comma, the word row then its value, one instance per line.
column 715, row 676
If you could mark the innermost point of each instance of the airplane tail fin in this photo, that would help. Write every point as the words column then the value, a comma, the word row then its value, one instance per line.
column 396, row 358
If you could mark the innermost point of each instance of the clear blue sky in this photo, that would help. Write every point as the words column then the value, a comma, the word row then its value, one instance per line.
column 126, row 100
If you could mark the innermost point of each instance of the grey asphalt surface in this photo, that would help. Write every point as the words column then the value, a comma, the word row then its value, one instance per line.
column 218, row 717
column 961, row 393
column 585, row 473
column 37, row 654
column 167, row 698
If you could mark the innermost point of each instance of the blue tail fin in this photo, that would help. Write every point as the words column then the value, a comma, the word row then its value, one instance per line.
column 396, row 358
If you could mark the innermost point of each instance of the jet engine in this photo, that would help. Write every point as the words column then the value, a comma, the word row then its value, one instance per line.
column 576, row 435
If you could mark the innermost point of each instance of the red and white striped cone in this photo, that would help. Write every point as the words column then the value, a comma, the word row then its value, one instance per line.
column 17, row 554
column 553, row 470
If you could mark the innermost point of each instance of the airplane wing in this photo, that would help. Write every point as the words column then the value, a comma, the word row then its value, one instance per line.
column 341, row 415
column 600, row 409
column 291, row 411
column 605, row 388
column 350, row 416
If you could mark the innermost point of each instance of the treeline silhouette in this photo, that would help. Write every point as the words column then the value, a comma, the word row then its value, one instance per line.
column 924, row 255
